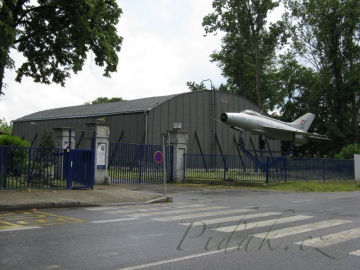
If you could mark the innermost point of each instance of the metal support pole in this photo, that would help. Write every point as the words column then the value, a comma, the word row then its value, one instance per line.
column 164, row 165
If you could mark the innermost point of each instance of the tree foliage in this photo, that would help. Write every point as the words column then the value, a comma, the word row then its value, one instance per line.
column 318, row 71
column 100, row 100
column 11, row 140
column 325, row 38
column 193, row 86
column 5, row 128
column 347, row 152
column 248, row 46
column 54, row 36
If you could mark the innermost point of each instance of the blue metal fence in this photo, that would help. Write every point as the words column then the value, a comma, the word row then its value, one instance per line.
column 275, row 169
column 30, row 167
column 217, row 167
column 137, row 163
column 320, row 169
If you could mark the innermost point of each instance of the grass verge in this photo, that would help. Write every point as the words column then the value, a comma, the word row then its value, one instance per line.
column 309, row 186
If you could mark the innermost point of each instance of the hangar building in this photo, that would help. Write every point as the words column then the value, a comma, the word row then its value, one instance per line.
column 145, row 120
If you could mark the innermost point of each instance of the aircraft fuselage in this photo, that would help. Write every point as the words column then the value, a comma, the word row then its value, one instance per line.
column 258, row 124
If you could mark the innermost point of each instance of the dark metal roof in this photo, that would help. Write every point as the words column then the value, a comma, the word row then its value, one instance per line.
column 121, row 107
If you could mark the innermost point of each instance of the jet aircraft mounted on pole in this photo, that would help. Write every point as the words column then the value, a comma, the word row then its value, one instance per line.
column 258, row 124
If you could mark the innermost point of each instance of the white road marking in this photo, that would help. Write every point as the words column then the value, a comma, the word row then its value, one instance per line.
column 20, row 228
column 228, row 219
column 113, row 220
column 247, row 226
column 123, row 211
column 301, row 229
column 331, row 239
column 302, row 201
column 356, row 253
column 101, row 208
column 142, row 266
column 178, row 211
column 206, row 214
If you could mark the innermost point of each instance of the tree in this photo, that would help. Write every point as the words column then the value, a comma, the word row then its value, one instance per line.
column 325, row 35
column 100, row 100
column 248, row 47
column 55, row 36
column 193, row 86
column 348, row 152
column 5, row 128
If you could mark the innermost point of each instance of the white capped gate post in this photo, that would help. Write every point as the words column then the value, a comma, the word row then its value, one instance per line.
column 101, row 148
column 178, row 140
column 357, row 167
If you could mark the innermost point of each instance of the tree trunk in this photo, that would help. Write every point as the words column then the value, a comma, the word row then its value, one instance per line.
column 258, row 74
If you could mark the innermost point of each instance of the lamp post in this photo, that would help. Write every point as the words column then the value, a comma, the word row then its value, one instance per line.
column 213, row 111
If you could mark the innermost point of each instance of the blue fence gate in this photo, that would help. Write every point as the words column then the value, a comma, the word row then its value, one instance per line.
column 30, row 167
column 139, row 163
column 79, row 168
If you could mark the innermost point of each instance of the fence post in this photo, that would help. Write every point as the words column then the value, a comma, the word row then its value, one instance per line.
column 267, row 170
column 185, row 156
column 225, row 168
column 69, row 168
column 3, row 161
column 140, row 162
column 285, row 169
column 323, row 169
column 29, row 167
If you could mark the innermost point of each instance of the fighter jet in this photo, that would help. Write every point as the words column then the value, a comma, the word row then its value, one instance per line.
column 256, row 123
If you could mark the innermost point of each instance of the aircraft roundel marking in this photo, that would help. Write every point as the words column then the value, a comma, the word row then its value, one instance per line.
column 303, row 122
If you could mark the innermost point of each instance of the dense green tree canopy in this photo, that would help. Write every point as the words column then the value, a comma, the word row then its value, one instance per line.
column 55, row 36
column 325, row 38
column 317, row 71
column 248, row 46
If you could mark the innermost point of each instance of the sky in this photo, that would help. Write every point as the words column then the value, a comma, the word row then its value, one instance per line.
column 164, row 47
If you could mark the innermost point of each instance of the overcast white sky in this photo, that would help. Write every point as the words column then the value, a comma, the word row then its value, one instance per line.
column 163, row 48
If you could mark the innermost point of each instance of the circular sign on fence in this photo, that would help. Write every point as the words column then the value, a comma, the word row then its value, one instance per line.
column 158, row 157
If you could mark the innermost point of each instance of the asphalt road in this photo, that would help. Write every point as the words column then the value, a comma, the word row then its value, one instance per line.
column 202, row 229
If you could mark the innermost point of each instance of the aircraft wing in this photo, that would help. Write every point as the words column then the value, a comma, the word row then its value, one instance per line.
column 280, row 132
column 316, row 136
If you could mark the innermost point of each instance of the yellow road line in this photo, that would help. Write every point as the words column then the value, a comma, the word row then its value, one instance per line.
column 58, row 216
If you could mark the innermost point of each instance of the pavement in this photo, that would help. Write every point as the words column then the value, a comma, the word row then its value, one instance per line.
column 101, row 195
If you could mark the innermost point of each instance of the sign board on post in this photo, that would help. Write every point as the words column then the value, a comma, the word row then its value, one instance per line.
column 158, row 157
column 101, row 156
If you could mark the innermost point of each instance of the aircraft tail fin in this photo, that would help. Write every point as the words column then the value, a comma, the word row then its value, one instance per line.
column 304, row 122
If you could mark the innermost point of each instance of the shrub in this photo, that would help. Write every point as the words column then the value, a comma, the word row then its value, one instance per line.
column 5, row 128
column 43, row 159
column 347, row 152
column 13, row 141
column 16, row 156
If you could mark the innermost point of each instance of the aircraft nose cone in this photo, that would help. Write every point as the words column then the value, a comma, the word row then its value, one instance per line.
column 224, row 117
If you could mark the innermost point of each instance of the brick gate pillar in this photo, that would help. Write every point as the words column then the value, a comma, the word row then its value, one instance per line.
column 99, row 136
column 179, row 140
